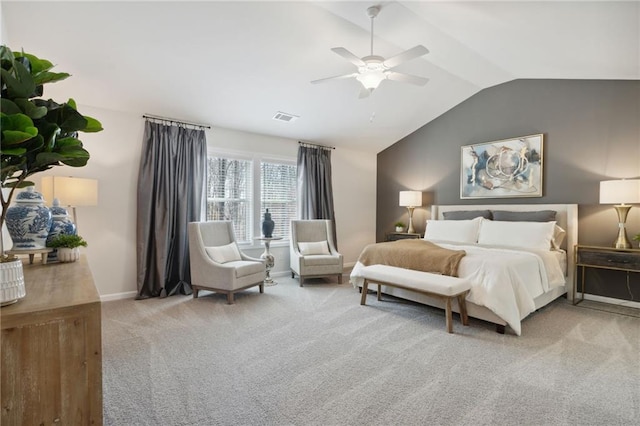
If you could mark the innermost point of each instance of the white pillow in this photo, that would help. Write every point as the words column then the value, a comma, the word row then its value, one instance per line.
column 533, row 235
column 316, row 247
column 459, row 231
column 224, row 254
column 558, row 237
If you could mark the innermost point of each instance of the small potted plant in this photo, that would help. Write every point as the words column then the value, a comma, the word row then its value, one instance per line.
column 399, row 226
column 67, row 246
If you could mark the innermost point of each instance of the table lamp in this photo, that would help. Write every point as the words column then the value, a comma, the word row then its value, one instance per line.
column 622, row 193
column 70, row 191
column 410, row 200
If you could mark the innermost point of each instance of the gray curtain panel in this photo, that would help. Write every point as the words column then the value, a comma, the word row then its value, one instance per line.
column 170, row 195
column 315, row 191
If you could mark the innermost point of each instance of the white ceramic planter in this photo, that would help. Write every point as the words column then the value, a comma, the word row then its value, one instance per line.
column 11, row 282
column 399, row 229
column 68, row 254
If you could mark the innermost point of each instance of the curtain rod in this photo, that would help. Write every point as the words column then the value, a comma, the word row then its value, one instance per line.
column 315, row 145
column 172, row 120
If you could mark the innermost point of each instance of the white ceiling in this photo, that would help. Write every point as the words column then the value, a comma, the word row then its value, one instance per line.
column 235, row 64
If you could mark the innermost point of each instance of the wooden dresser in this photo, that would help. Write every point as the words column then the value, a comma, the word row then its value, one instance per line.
column 51, row 348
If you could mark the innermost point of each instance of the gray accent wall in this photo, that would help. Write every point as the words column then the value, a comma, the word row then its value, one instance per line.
column 591, row 133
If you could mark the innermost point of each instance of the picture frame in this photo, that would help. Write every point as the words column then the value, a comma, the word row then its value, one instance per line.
column 508, row 168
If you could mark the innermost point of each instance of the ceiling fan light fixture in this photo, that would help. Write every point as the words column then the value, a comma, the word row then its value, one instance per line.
column 372, row 79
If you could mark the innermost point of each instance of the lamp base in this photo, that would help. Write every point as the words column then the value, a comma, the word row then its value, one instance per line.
column 410, row 229
column 622, row 242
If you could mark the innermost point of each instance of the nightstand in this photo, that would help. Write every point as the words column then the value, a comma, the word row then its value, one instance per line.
column 627, row 260
column 395, row 236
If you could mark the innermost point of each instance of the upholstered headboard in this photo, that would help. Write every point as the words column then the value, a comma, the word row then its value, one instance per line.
column 566, row 217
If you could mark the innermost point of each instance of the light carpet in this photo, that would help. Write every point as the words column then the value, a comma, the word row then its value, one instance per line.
column 314, row 356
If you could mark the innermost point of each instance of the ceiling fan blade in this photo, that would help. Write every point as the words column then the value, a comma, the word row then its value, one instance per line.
column 405, row 56
column 349, row 56
column 407, row 78
column 337, row 77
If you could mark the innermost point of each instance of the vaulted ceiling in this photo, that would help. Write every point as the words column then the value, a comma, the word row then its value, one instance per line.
column 236, row 64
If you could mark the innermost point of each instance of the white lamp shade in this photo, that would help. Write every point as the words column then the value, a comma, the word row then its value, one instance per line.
column 410, row 198
column 70, row 191
column 622, row 191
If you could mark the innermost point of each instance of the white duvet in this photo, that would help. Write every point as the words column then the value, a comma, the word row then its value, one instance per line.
column 506, row 281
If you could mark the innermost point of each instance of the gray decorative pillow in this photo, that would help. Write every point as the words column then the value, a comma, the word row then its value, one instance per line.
column 533, row 216
column 466, row 214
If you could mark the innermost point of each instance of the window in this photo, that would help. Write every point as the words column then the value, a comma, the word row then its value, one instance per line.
column 241, row 189
column 278, row 194
column 229, row 185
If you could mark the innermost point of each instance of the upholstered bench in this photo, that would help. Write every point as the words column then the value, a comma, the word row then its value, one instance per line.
column 435, row 285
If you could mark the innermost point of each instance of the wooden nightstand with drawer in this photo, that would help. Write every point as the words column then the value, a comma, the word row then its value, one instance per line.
column 627, row 260
column 395, row 236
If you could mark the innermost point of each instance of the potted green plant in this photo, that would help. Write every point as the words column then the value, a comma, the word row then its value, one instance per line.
column 37, row 133
column 399, row 226
column 67, row 246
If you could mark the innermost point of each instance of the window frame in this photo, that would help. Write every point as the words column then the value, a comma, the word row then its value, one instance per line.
column 256, row 160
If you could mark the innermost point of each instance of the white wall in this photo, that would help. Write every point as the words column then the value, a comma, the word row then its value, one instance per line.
column 110, row 228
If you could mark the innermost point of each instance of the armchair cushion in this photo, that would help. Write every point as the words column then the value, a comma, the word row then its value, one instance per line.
column 224, row 254
column 246, row 267
column 321, row 259
column 311, row 248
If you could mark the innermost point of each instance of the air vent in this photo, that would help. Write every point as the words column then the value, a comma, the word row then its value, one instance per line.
column 286, row 117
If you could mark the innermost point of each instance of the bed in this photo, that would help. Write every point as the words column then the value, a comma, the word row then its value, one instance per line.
column 511, row 281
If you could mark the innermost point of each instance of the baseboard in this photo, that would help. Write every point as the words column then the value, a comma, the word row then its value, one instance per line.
column 612, row 301
column 118, row 296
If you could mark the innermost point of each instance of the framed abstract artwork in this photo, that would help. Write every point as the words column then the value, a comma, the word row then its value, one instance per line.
column 507, row 168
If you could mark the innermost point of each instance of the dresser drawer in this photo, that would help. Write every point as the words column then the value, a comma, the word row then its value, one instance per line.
column 609, row 259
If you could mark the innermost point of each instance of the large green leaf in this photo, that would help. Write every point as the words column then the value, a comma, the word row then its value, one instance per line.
column 16, row 128
column 9, row 107
column 47, row 158
column 30, row 109
column 20, row 84
column 92, row 126
column 14, row 151
column 37, row 65
column 50, row 77
column 15, row 137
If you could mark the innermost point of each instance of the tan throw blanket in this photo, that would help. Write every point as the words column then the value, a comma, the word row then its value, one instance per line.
column 420, row 255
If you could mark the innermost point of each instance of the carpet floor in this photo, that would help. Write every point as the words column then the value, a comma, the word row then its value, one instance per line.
column 314, row 356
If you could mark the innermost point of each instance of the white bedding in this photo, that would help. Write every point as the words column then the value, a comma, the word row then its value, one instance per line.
column 506, row 281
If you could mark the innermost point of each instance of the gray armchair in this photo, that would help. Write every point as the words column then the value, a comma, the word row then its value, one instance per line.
column 312, row 252
column 216, row 262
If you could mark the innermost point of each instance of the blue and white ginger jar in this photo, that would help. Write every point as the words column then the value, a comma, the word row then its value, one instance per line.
column 28, row 221
column 61, row 223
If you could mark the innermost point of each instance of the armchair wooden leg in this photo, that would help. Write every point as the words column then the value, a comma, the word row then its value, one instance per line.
column 195, row 292
column 230, row 298
column 301, row 280
column 340, row 279
column 293, row 275
column 261, row 286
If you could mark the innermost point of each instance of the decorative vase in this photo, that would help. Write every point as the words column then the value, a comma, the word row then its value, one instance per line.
column 11, row 282
column 66, row 254
column 267, row 225
column 61, row 224
column 28, row 221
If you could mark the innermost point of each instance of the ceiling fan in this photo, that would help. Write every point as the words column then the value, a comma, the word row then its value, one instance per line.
column 373, row 69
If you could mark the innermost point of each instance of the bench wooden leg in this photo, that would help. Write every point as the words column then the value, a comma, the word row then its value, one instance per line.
column 363, row 298
column 449, row 316
column 462, row 304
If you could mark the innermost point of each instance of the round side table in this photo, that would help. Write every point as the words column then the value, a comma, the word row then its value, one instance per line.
column 268, row 258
